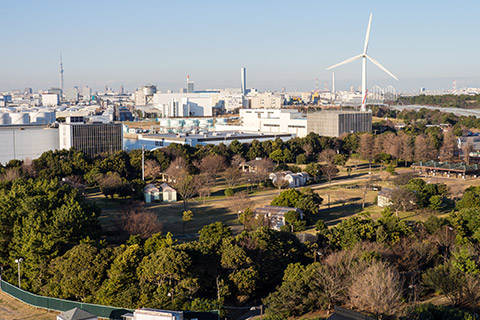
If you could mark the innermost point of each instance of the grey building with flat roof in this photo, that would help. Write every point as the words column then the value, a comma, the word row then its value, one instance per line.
column 91, row 138
column 335, row 123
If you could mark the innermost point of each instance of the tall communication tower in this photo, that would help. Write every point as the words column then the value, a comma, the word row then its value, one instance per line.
column 316, row 85
column 454, row 85
column 326, row 85
column 61, row 73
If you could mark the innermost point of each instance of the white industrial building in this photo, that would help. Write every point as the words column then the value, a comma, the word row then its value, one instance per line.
column 269, row 121
column 23, row 142
column 184, row 104
column 50, row 99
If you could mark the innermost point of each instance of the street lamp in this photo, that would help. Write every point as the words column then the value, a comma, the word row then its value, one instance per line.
column 18, row 261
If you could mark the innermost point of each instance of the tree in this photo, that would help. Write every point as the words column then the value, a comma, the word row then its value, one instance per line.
column 449, row 147
column 402, row 199
column 277, row 155
column 152, row 169
column 447, row 279
column 306, row 200
column 424, row 150
column 232, row 176
column 467, row 148
column 187, row 217
column 178, row 169
column 366, row 148
column 329, row 171
column 377, row 289
column 204, row 185
column 211, row 165
column 280, row 182
column 79, row 273
column 291, row 218
column 328, row 156
column 110, row 184
column 314, row 170
column 186, row 188
column 239, row 202
column 138, row 221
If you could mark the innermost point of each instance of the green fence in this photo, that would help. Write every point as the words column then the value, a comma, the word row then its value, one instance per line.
column 96, row 309
column 61, row 304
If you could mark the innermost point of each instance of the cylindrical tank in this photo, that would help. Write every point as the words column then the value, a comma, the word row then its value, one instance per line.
column 174, row 123
column 164, row 122
column 221, row 121
column 20, row 118
column 149, row 90
column 43, row 117
column 4, row 118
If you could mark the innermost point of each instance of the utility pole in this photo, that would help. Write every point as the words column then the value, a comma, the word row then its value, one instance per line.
column 143, row 162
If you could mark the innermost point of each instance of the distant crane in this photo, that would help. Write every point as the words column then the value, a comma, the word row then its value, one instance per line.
column 364, row 57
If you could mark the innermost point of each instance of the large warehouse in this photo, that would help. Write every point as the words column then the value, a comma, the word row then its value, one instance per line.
column 334, row 123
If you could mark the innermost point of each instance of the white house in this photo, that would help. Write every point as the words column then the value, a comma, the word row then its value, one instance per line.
column 163, row 193
column 295, row 180
column 76, row 314
column 383, row 198
column 151, row 193
column 168, row 193
column 275, row 215
column 154, row 314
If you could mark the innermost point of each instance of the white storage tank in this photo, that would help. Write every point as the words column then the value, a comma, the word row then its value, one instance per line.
column 20, row 118
column 4, row 118
column 44, row 117
column 149, row 90
column 221, row 121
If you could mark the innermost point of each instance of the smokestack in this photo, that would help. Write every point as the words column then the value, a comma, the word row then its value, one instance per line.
column 333, row 82
column 244, row 80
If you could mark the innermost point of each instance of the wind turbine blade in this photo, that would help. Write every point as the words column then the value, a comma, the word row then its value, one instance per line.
column 346, row 61
column 367, row 36
column 378, row 64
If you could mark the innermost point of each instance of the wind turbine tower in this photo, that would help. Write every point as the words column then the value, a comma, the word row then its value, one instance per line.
column 364, row 57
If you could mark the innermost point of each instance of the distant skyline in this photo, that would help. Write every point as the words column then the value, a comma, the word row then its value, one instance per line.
column 281, row 43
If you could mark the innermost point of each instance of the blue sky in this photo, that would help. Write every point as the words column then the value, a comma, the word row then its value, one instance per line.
column 282, row 43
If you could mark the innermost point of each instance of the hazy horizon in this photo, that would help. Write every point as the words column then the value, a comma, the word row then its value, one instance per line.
column 427, row 44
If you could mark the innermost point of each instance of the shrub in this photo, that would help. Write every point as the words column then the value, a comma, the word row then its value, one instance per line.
column 229, row 192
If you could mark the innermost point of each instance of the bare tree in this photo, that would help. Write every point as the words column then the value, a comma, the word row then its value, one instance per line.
column 232, row 176
column 110, row 184
column 186, row 187
column 406, row 153
column 137, row 221
column 377, row 289
column 327, row 155
column 204, row 186
column 329, row 171
column 212, row 165
column 237, row 160
column 424, row 149
column 466, row 149
column 449, row 147
column 280, row 182
column 263, row 168
column 308, row 149
column 10, row 174
column 29, row 168
column 366, row 148
column 152, row 169
column 177, row 169
column 239, row 202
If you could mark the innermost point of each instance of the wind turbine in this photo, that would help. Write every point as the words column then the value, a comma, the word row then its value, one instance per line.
column 364, row 57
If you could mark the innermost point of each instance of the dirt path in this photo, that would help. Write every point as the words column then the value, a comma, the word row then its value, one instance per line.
column 13, row 309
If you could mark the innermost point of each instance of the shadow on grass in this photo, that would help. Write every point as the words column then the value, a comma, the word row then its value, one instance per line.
column 335, row 214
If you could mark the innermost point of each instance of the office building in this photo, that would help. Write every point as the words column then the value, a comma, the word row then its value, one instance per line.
column 50, row 99
column 91, row 137
column 266, row 100
column 71, row 94
column 335, row 123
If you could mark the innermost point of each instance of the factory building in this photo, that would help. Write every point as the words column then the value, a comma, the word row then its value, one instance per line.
column 26, row 141
column 269, row 121
column 335, row 123
column 184, row 104
column 90, row 137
